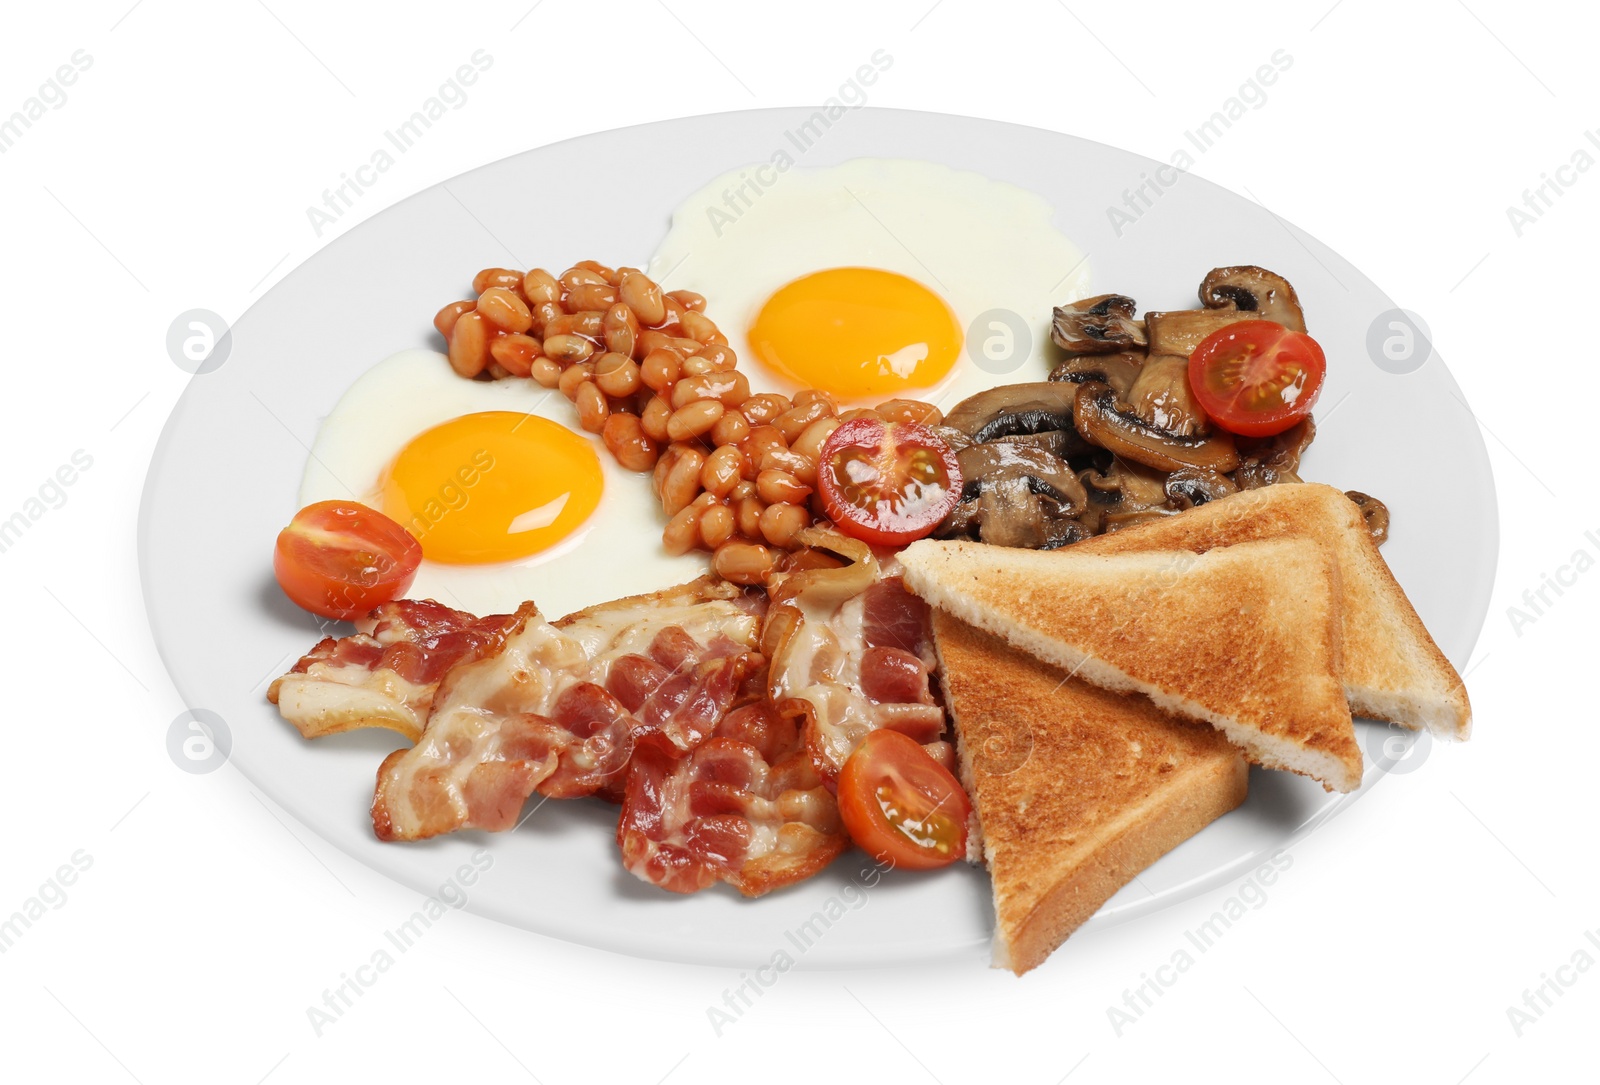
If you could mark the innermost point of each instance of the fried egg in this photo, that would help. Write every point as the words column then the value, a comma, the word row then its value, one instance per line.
column 509, row 500
column 876, row 278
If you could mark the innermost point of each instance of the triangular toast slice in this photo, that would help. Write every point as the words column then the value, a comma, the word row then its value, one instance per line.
column 1075, row 789
column 1244, row 637
column 1393, row 670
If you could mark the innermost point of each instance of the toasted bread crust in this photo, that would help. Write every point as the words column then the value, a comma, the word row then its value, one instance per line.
column 1245, row 637
column 1393, row 670
column 1075, row 789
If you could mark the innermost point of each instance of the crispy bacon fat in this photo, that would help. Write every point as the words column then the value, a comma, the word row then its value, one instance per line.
column 849, row 652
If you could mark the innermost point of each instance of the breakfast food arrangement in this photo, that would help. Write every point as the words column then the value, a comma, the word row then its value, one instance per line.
column 860, row 590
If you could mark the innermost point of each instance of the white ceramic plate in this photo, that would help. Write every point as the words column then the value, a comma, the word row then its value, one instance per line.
column 224, row 478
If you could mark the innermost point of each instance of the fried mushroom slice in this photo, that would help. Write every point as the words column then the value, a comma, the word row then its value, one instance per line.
column 1011, row 410
column 1191, row 486
column 1181, row 331
column 1017, row 493
column 1117, row 370
column 1374, row 512
column 1268, row 460
column 1103, row 324
column 1262, row 294
column 1103, row 420
column 1121, row 492
column 1162, row 398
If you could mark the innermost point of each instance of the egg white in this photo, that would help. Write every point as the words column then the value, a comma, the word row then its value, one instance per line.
column 980, row 244
column 616, row 552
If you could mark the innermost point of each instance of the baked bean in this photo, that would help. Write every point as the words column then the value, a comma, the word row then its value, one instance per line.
column 620, row 329
column 694, row 419
column 747, row 511
column 743, row 563
column 469, row 344
column 763, row 408
column 567, row 348
column 660, row 369
column 722, row 470
column 742, row 489
column 616, row 374
column 762, row 439
column 813, row 395
column 730, row 389
column 505, row 310
column 791, row 423
column 445, row 319
column 682, row 531
column 809, row 444
column 589, row 323
column 654, row 339
column 696, row 366
column 625, row 438
column 592, row 296
column 592, row 407
column 731, row 429
column 578, row 275
column 780, row 523
column 696, row 326
column 599, row 269
column 689, row 299
column 546, row 371
column 716, row 526
column 686, row 347
column 496, row 276
column 910, row 410
column 859, row 412
column 677, row 477
column 779, row 486
column 791, row 463
column 654, row 418
column 573, row 377
column 539, row 285
column 643, row 296
column 720, row 356
column 545, row 313
column 515, row 353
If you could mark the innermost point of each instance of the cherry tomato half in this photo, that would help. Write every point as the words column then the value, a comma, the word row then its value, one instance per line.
column 901, row 806
column 1257, row 378
column 887, row 483
column 340, row 559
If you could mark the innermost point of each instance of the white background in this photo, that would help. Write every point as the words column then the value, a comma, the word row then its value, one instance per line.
column 177, row 175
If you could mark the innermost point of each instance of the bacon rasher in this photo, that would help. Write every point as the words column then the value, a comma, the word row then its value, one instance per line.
column 386, row 674
column 562, row 707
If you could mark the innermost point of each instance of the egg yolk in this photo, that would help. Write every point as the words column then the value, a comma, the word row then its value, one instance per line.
column 492, row 486
column 858, row 332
